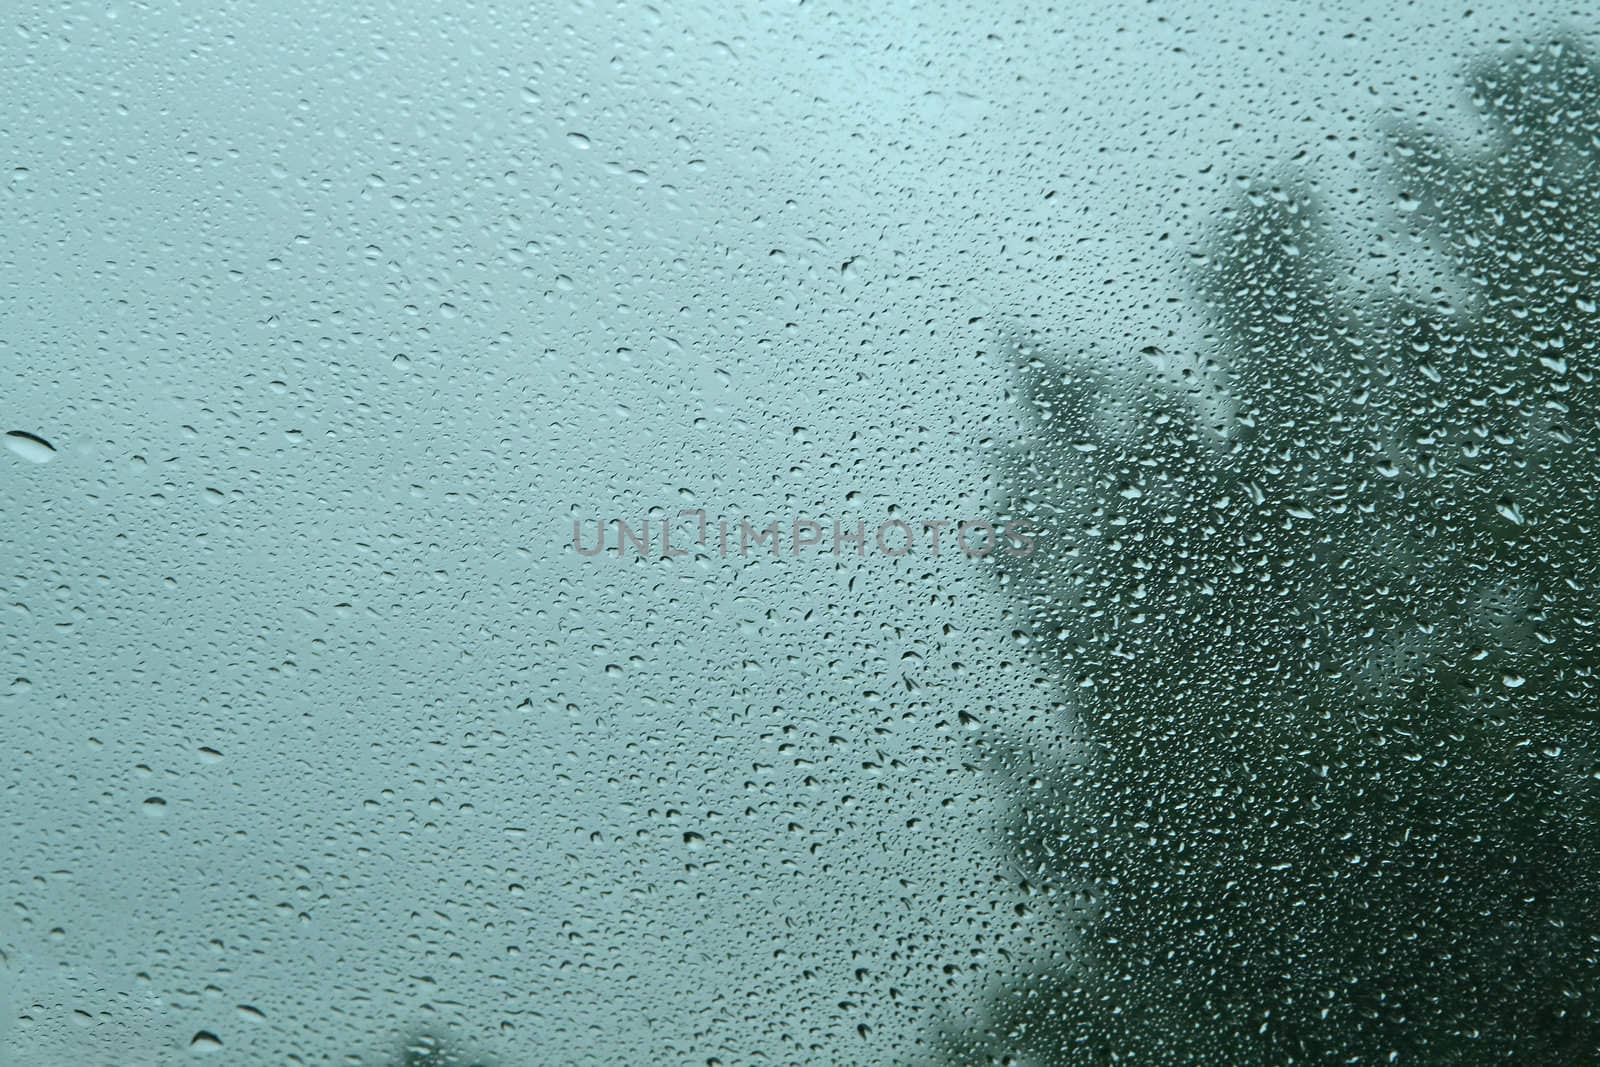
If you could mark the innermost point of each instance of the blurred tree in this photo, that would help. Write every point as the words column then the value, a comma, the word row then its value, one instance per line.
column 1324, row 603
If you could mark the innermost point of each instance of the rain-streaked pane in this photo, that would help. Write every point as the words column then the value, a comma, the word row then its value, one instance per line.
column 799, row 533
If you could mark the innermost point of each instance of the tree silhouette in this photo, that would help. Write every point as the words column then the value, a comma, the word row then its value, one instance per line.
column 1322, row 603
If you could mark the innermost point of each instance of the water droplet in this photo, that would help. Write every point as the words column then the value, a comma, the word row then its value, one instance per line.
column 205, row 1041
column 30, row 446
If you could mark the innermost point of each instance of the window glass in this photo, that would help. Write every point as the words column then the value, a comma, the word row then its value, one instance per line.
column 799, row 533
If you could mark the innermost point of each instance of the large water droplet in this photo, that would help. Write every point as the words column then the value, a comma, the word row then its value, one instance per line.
column 30, row 446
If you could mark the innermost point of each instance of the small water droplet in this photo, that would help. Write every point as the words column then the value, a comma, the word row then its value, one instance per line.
column 205, row 1041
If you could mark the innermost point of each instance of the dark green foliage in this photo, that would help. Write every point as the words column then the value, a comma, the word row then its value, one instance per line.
column 1324, row 609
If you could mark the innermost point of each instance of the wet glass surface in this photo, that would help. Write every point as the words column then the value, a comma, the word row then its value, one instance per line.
column 799, row 533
